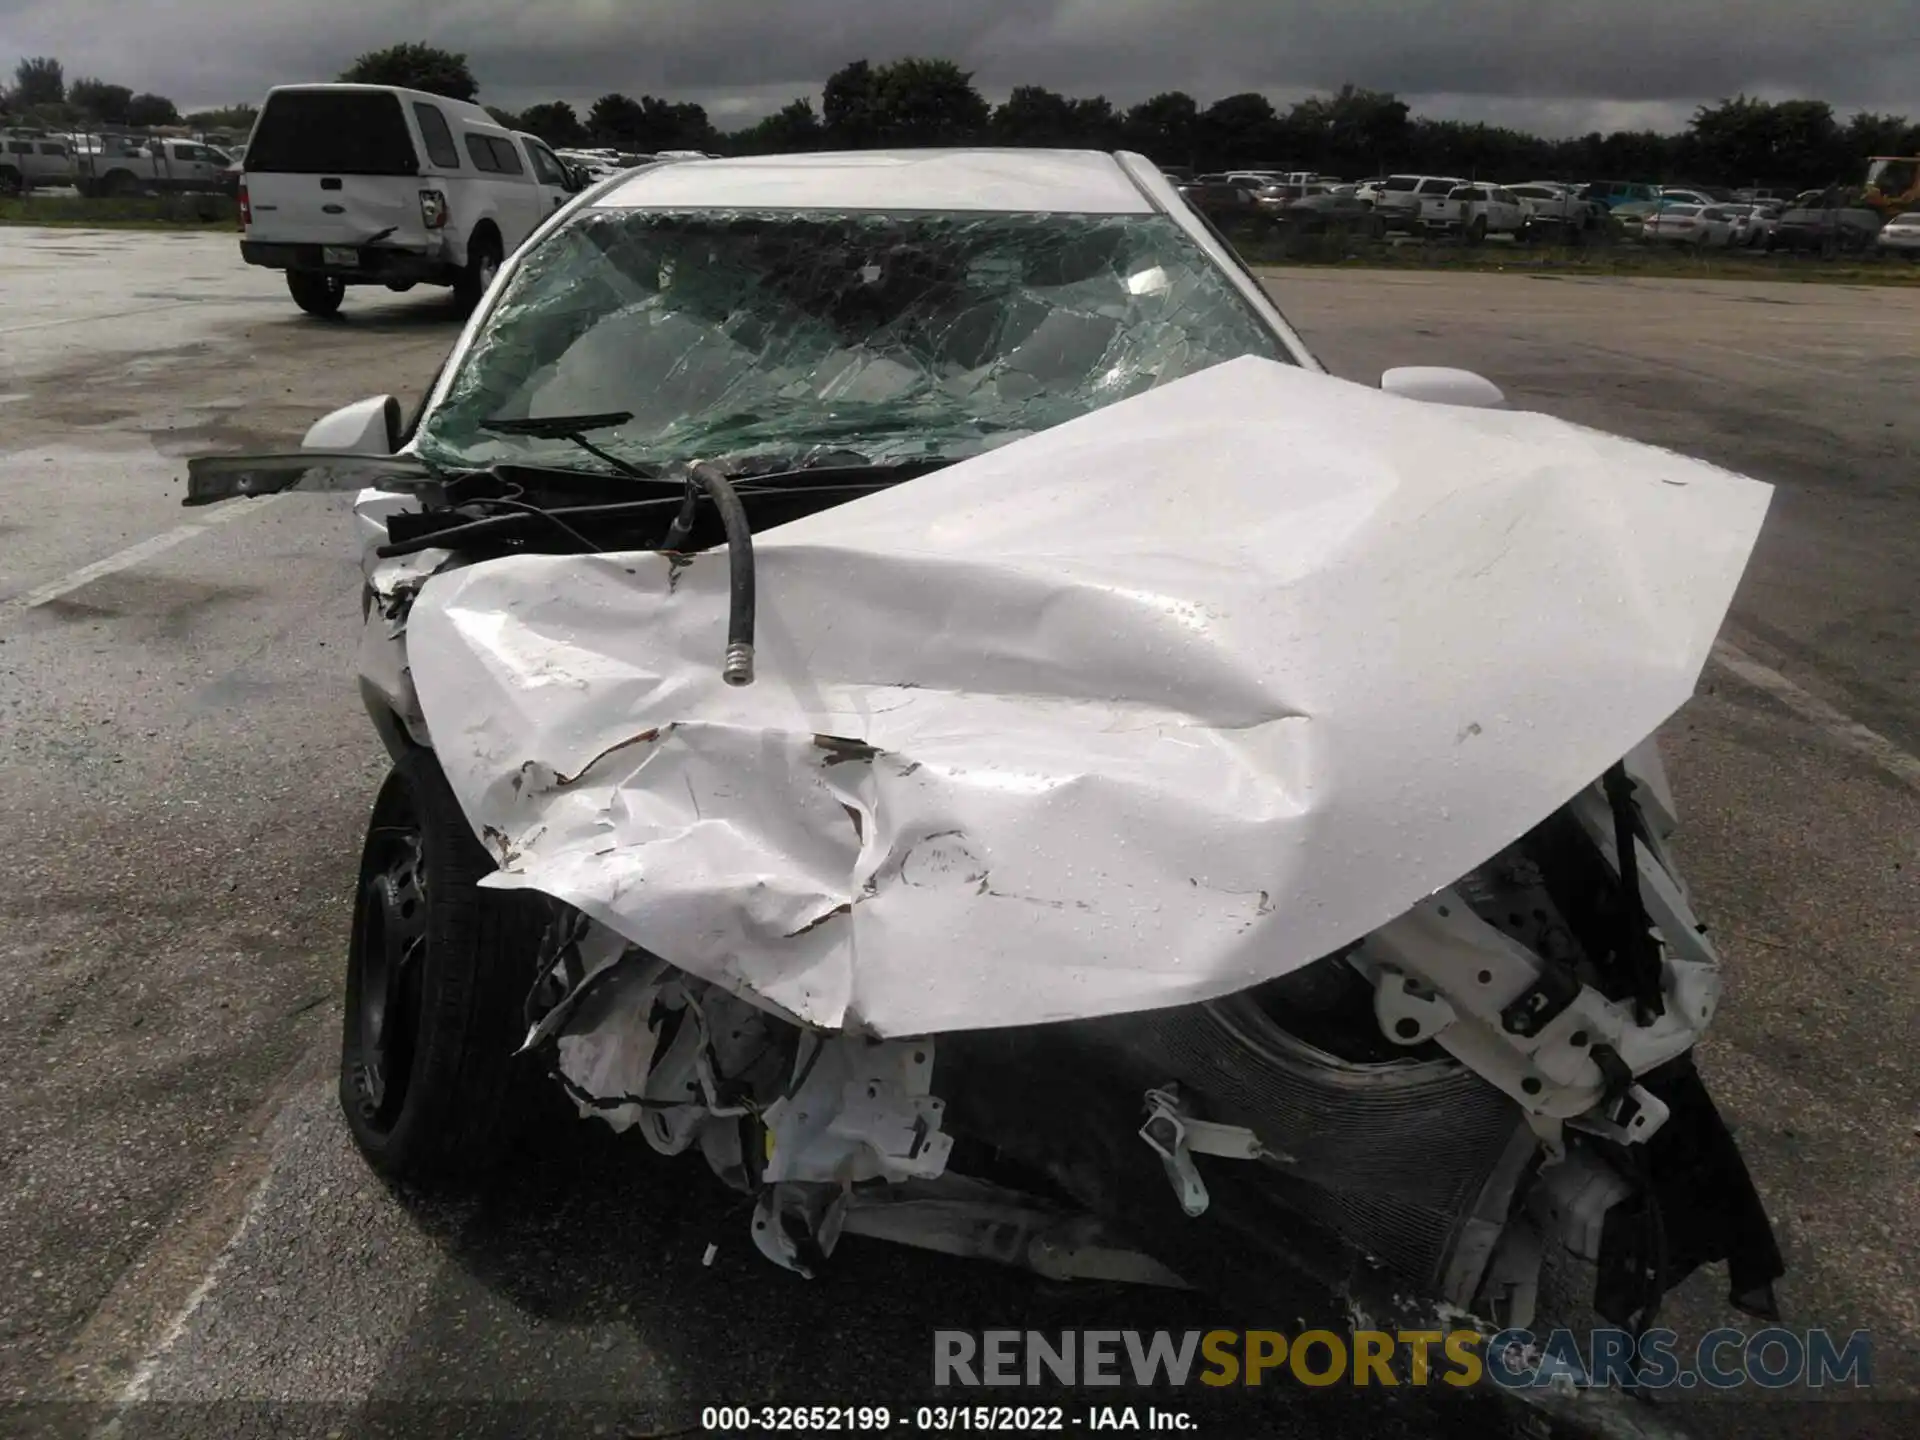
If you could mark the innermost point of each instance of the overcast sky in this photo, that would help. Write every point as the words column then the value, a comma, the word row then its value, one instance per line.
column 1548, row 65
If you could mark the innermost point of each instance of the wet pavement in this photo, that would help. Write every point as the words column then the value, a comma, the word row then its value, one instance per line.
column 187, row 771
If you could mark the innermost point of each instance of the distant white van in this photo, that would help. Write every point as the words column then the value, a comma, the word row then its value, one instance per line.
column 375, row 185
column 34, row 157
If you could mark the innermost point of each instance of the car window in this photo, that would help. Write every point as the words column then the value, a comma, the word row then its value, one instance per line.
column 480, row 151
column 332, row 132
column 545, row 168
column 19, row 147
column 494, row 155
column 506, row 156
column 1401, row 182
column 53, row 149
column 437, row 136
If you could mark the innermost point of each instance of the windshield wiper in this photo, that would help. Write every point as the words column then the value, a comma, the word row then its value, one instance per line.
column 571, row 427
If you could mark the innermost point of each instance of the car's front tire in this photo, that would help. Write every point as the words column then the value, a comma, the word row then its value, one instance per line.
column 437, row 975
column 316, row 294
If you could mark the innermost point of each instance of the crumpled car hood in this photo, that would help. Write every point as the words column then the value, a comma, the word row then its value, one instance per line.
column 1139, row 711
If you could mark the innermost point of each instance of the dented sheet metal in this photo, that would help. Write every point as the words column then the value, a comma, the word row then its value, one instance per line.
column 1140, row 710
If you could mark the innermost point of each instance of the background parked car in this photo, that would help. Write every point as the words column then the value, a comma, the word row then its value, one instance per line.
column 1753, row 223
column 1554, row 206
column 1402, row 197
column 1629, row 218
column 1685, row 196
column 31, row 159
column 1474, row 211
column 1224, row 203
column 1325, row 211
column 1825, row 230
column 1612, row 194
column 1700, row 226
column 1901, row 236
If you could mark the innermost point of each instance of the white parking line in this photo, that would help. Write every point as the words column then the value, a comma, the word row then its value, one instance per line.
column 1843, row 728
column 143, row 1376
column 121, row 560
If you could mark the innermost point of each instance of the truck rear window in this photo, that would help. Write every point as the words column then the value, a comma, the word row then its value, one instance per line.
column 332, row 132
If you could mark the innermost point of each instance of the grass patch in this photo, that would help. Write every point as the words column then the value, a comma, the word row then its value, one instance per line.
column 157, row 212
column 1601, row 258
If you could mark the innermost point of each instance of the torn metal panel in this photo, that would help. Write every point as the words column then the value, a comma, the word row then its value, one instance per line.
column 1137, row 711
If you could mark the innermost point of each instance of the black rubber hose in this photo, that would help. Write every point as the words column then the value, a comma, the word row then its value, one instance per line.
column 682, row 526
column 1636, row 945
column 738, row 669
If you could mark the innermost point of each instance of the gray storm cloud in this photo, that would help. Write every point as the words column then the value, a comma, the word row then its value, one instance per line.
column 1557, row 64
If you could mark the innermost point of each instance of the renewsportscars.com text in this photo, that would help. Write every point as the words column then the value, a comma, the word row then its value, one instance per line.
column 1774, row 1358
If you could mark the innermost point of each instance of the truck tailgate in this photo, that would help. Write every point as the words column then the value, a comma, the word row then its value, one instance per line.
column 336, row 209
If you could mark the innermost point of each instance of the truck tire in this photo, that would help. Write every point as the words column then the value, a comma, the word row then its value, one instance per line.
column 12, row 181
column 315, row 293
column 483, row 263
column 437, row 975
column 1476, row 229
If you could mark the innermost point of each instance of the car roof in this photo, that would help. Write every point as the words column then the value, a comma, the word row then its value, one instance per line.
column 464, row 110
column 1018, row 181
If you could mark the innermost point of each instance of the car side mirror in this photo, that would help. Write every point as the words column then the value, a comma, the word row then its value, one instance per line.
column 366, row 427
column 1443, row 385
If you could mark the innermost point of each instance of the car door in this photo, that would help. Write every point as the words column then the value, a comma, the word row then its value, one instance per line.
column 548, row 173
column 191, row 166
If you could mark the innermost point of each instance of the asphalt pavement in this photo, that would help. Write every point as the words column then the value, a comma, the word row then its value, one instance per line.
column 186, row 768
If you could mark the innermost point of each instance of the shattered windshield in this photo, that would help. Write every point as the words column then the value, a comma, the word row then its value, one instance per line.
column 793, row 335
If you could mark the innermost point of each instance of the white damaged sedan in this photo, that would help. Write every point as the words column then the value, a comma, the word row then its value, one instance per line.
column 906, row 677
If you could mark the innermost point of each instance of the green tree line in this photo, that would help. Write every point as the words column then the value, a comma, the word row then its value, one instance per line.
column 926, row 101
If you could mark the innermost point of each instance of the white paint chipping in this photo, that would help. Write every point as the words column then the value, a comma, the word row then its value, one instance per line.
column 126, row 559
column 1840, row 727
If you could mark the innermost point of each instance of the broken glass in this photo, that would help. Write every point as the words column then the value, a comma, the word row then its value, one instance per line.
column 754, row 335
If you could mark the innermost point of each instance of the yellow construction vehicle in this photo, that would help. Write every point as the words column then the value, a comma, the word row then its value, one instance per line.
column 1893, row 184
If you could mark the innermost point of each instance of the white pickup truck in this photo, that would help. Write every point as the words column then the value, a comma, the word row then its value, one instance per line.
column 1474, row 211
column 1400, row 199
column 30, row 158
column 110, row 165
column 1557, row 205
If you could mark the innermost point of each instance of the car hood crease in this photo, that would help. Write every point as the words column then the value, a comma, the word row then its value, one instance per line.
column 1141, row 710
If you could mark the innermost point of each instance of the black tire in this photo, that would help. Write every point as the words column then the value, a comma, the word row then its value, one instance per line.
column 1476, row 229
column 483, row 263
column 315, row 293
column 12, row 181
column 429, row 1083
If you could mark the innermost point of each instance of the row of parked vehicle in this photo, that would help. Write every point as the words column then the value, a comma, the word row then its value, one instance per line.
column 114, row 163
column 1473, row 210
